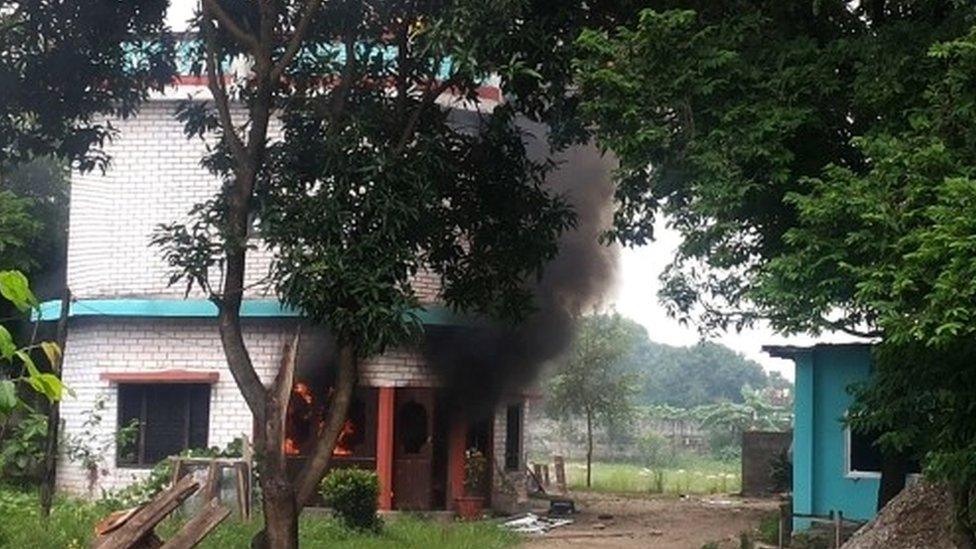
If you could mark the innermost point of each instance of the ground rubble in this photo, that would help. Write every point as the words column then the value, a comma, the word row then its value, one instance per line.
column 920, row 516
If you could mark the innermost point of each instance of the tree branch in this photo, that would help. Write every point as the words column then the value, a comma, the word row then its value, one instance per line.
column 239, row 360
column 226, row 21
column 338, row 410
column 215, row 77
column 410, row 127
column 311, row 7
column 345, row 79
column 281, row 389
column 840, row 326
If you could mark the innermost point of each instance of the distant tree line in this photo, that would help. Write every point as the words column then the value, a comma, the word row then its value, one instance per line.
column 705, row 373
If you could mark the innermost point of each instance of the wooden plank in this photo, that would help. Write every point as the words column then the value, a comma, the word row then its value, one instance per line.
column 142, row 522
column 243, row 497
column 228, row 462
column 177, row 469
column 199, row 526
column 560, row 466
column 213, row 481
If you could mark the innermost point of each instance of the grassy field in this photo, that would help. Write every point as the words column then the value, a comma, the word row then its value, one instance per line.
column 71, row 522
column 698, row 476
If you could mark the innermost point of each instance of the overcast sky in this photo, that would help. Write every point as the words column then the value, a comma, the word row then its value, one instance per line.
column 635, row 293
column 635, row 296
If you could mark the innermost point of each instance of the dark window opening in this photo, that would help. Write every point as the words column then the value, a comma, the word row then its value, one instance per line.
column 158, row 420
column 865, row 454
column 513, row 437
column 413, row 433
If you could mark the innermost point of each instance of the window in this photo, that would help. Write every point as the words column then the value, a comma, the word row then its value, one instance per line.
column 863, row 456
column 160, row 420
column 412, row 427
column 513, row 437
column 863, row 459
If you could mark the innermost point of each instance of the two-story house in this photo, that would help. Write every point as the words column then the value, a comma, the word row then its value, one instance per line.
column 152, row 357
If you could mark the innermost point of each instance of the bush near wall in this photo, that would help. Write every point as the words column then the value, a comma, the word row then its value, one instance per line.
column 352, row 494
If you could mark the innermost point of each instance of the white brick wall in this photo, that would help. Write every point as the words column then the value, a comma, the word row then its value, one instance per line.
column 155, row 177
column 97, row 346
column 509, row 491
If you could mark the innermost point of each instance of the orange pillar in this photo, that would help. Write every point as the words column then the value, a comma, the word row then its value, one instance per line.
column 384, row 446
column 457, row 440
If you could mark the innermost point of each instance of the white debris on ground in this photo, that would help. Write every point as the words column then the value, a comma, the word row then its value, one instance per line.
column 530, row 523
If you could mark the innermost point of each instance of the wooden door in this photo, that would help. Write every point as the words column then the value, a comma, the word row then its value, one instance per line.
column 413, row 433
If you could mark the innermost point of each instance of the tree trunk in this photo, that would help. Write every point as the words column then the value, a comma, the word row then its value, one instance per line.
column 54, row 414
column 894, row 468
column 280, row 514
column 277, row 492
column 317, row 464
column 283, row 499
column 589, row 447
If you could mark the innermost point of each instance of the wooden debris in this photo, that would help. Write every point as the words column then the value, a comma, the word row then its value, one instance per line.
column 199, row 526
column 560, row 466
column 137, row 529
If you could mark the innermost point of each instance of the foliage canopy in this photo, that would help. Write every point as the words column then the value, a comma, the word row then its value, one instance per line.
column 817, row 158
column 68, row 65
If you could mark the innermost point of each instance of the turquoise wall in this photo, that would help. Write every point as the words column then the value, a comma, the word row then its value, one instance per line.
column 820, row 482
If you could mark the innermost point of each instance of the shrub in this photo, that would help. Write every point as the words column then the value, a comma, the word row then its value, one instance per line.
column 352, row 493
column 656, row 451
column 22, row 450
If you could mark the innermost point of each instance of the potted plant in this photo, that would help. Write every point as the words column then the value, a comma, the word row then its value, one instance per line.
column 470, row 505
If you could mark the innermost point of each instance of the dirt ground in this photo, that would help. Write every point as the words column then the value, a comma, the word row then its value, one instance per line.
column 606, row 521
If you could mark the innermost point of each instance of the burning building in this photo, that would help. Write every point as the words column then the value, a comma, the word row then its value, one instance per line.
column 153, row 356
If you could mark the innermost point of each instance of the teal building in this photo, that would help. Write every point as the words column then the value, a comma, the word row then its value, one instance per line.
column 833, row 469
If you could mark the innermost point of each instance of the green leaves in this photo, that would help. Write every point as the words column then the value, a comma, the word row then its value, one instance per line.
column 7, row 346
column 47, row 384
column 8, row 397
column 15, row 288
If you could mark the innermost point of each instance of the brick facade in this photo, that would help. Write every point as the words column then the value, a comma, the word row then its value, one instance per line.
column 509, row 490
column 155, row 177
column 99, row 347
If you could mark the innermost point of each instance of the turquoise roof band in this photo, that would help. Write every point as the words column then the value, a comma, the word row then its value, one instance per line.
column 203, row 308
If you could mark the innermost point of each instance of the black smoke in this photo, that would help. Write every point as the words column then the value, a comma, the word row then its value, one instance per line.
column 480, row 364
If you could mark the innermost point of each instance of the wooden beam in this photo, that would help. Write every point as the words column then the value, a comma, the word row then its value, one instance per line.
column 456, row 445
column 145, row 519
column 384, row 446
column 199, row 526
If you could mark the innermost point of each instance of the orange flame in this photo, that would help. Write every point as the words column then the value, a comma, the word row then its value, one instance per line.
column 342, row 447
column 303, row 413
column 291, row 447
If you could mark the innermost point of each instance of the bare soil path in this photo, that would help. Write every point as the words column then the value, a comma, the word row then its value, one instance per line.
column 607, row 521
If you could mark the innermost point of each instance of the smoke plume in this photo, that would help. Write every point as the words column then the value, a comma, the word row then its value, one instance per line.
column 481, row 364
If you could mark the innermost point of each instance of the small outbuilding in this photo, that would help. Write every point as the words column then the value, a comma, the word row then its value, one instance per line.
column 834, row 469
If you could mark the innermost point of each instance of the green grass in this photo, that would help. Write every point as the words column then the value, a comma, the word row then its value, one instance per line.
column 698, row 476
column 71, row 522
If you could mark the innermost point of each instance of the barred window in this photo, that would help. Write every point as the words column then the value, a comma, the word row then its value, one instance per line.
column 158, row 420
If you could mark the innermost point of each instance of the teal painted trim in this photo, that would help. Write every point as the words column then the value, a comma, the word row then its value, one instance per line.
column 202, row 308
column 803, row 440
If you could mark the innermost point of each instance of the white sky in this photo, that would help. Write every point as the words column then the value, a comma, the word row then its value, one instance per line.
column 179, row 12
column 635, row 294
